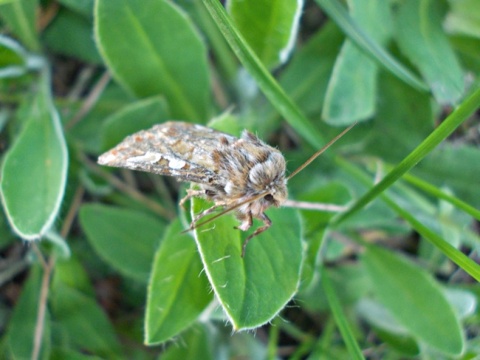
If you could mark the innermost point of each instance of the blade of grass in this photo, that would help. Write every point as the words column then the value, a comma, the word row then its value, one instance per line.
column 272, row 90
column 341, row 320
column 455, row 119
column 459, row 258
column 435, row 191
column 341, row 17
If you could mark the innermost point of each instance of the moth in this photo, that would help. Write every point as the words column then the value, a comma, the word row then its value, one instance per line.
column 243, row 174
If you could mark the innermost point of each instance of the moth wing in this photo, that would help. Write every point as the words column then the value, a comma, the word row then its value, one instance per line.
column 178, row 149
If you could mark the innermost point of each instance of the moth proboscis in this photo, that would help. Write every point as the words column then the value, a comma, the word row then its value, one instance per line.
column 242, row 174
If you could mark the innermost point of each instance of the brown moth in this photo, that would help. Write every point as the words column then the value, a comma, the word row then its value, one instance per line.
column 242, row 174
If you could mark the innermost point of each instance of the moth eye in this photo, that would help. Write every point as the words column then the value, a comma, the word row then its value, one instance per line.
column 268, row 197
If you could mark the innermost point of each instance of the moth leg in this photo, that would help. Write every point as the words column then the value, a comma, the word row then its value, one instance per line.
column 266, row 224
column 246, row 222
column 191, row 193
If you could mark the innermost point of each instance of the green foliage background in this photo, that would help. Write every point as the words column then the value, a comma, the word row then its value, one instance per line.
column 375, row 256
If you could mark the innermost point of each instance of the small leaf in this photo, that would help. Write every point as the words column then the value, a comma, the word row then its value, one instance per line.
column 83, row 323
column 178, row 291
column 134, row 117
column 253, row 289
column 415, row 300
column 126, row 239
column 421, row 37
column 337, row 12
column 34, row 173
column 355, row 69
column 269, row 27
column 160, row 53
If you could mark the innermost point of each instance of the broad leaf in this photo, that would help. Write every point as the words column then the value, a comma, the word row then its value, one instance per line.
column 160, row 53
column 253, row 289
column 269, row 27
column 178, row 291
column 83, row 322
column 354, row 69
column 34, row 172
column 126, row 239
column 415, row 300
column 421, row 37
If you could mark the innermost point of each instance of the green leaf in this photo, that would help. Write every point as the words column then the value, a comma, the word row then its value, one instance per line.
column 126, row 239
column 34, row 172
column 178, row 288
column 387, row 328
column 463, row 18
column 253, row 289
column 354, row 69
column 269, row 27
column 72, row 34
column 134, row 117
column 83, row 323
column 415, row 300
column 349, row 282
column 20, row 17
column 153, row 49
column 355, row 33
column 21, row 328
column 421, row 37
column 196, row 344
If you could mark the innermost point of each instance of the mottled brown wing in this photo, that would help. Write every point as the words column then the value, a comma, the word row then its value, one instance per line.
column 178, row 149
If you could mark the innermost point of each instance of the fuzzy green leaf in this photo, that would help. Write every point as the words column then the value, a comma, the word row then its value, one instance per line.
column 153, row 49
column 415, row 300
column 83, row 322
column 421, row 38
column 269, row 27
column 126, row 239
column 354, row 69
column 34, row 173
column 253, row 289
column 178, row 290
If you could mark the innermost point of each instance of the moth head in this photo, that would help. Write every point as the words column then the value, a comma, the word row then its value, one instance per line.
column 276, row 197
column 268, row 177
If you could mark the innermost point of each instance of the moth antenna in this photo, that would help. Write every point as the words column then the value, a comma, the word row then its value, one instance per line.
column 227, row 210
column 321, row 151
